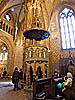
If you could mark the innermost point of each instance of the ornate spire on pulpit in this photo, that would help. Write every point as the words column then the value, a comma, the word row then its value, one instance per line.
column 34, row 21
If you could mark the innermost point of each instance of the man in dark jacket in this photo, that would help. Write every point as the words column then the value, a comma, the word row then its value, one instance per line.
column 16, row 78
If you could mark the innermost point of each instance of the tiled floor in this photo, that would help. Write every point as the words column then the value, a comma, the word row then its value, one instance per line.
column 7, row 93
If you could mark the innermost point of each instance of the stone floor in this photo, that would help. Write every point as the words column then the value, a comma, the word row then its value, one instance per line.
column 7, row 93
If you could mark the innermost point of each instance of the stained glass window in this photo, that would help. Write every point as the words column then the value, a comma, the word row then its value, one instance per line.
column 67, row 28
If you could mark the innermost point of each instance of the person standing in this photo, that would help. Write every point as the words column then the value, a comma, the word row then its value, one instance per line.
column 4, row 73
column 16, row 78
column 21, row 79
column 70, row 66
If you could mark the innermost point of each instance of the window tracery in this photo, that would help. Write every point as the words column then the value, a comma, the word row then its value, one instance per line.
column 67, row 25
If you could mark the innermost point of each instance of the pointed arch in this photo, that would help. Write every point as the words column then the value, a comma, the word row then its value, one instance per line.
column 8, row 41
column 67, row 23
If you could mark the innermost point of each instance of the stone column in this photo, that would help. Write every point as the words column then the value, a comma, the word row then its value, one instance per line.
column 49, row 71
column 27, row 79
column 34, row 42
column 40, row 54
column 34, row 68
column 31, row 42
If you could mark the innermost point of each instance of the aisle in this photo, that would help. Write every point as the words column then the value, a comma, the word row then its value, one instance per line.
column 7, row 93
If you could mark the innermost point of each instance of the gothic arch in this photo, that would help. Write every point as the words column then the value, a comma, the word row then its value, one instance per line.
column 14, row 5
column 30, row 65
column 59, row 7
column 5, row 38
column 42, row 66
column 63, row 5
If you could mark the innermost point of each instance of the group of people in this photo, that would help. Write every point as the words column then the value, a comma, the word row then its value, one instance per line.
column 17, row 78
column 63, row 82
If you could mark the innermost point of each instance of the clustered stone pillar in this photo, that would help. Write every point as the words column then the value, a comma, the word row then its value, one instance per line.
column 49, row 71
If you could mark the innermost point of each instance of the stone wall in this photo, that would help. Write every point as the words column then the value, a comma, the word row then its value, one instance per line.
column 18, row 56
column 55, row 43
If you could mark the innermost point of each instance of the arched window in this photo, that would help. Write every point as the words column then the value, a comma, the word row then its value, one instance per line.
column 67, row 28
column 1, row 56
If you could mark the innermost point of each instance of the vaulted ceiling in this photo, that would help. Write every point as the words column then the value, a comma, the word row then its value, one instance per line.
column 16, row 8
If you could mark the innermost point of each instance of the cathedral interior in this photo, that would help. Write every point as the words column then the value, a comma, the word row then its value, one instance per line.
column 37, row 36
